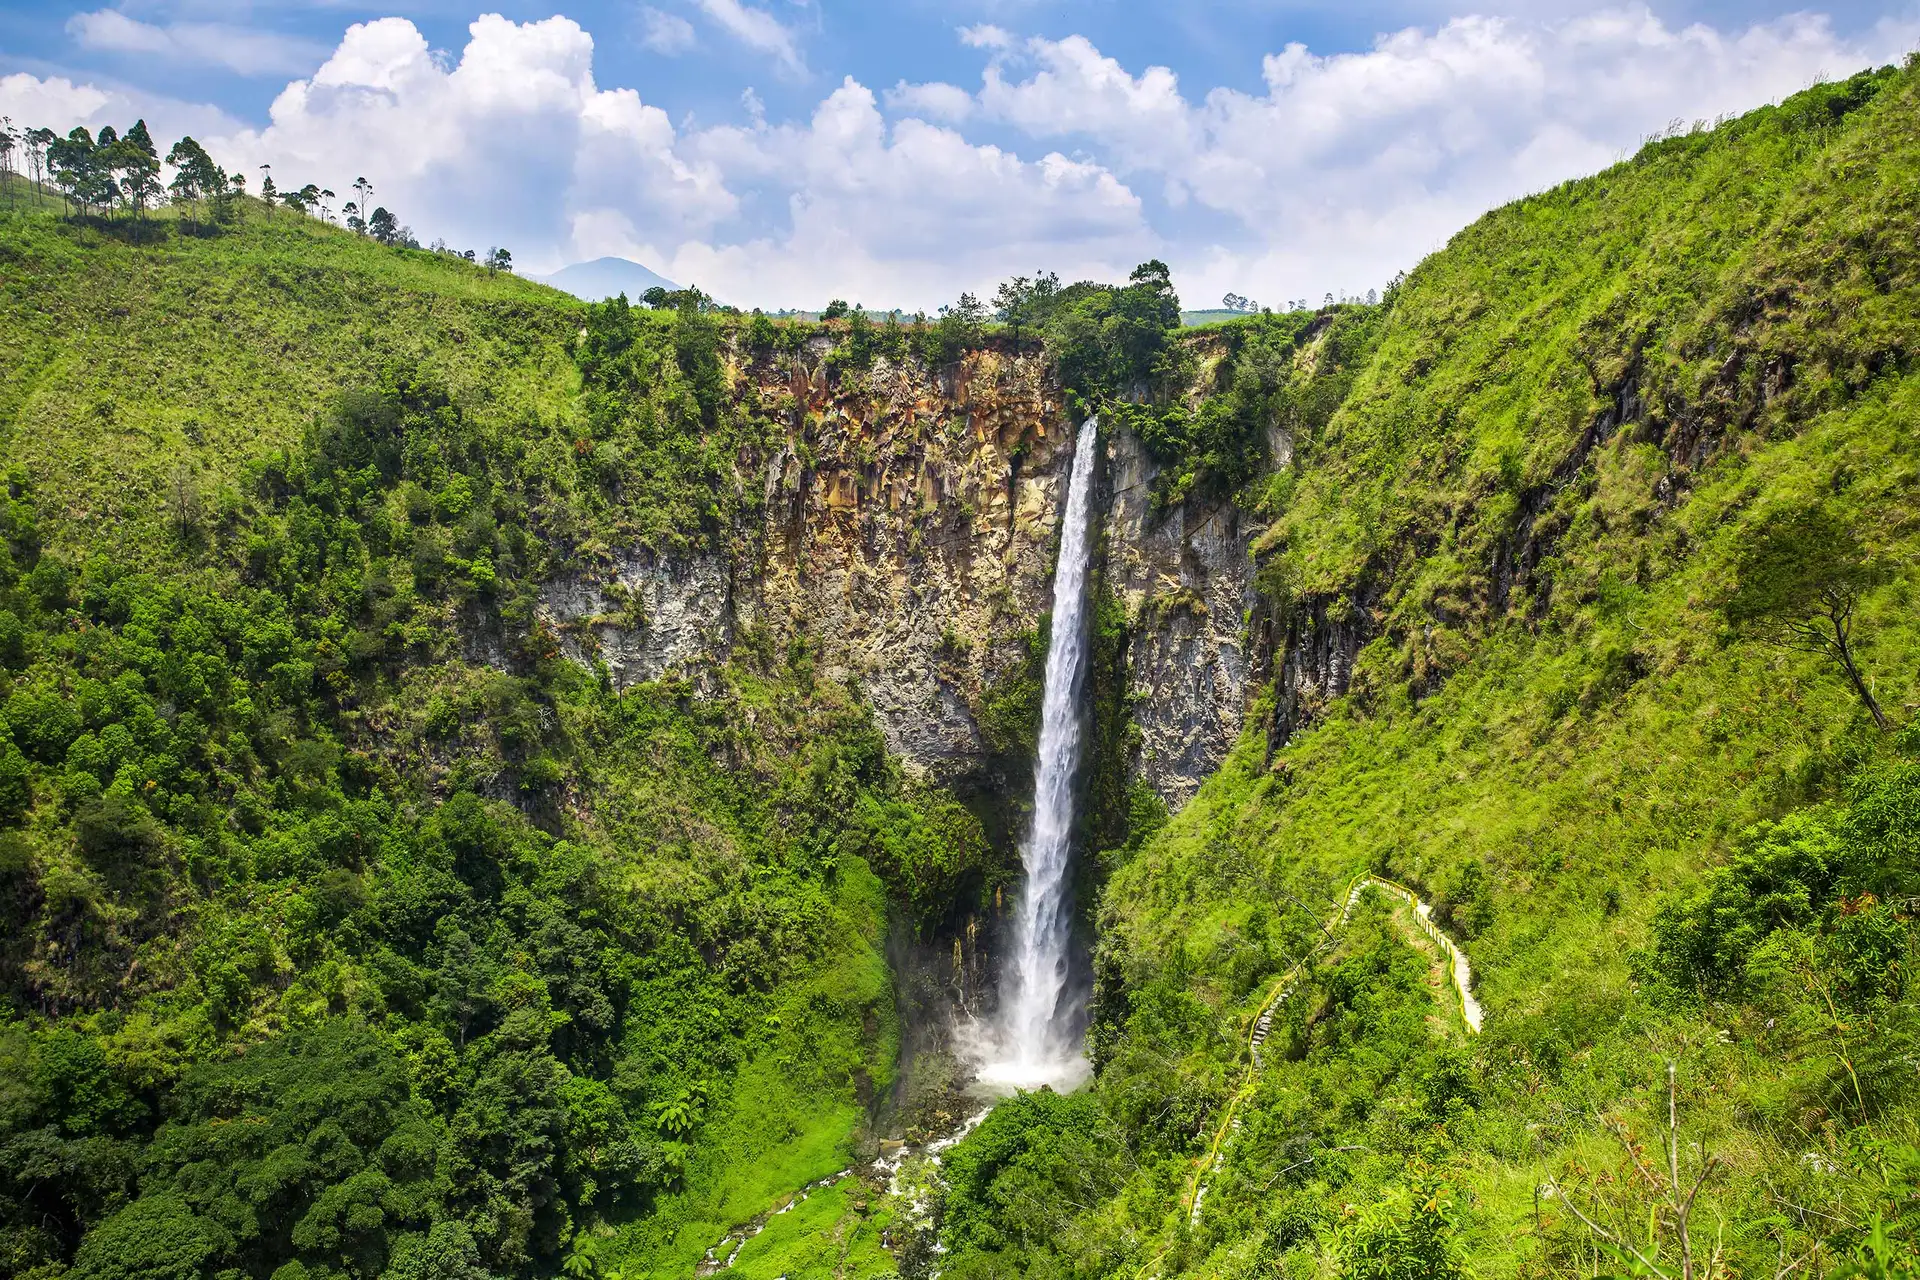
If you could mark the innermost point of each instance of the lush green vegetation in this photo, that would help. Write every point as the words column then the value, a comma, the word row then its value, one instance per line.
column 1286, row 373
column 1605, row 489
column 1202, row 407
column 349, row 928
column 834, row 1234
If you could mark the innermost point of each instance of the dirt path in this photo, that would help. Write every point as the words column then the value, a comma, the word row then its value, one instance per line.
column 1457, row 972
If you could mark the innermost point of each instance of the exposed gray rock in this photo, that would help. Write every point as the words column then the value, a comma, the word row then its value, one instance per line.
column 675, row 615
column 908, row 530
column 908, row 534
column 1186, row 578
column 1321, row 642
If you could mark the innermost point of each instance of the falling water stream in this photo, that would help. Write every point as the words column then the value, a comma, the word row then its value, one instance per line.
column 1034, row 1039
column 1034, row 1042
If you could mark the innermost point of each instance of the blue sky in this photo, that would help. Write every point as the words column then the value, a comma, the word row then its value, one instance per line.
column 781, row 152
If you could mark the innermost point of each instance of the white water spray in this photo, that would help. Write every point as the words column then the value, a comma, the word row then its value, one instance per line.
column 1035, row 1042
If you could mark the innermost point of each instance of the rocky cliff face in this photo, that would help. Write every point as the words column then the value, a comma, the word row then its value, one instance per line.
column 907, row 535
column 1185, row 576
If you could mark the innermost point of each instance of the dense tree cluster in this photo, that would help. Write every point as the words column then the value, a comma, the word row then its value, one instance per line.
column 188, row 737
column 1117, row 352
column 1111, row 342
column 106, row 172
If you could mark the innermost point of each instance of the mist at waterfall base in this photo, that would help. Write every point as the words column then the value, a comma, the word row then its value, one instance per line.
column 1033, row 1039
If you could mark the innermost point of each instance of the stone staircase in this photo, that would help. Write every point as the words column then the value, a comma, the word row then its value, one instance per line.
column 1263, row 1025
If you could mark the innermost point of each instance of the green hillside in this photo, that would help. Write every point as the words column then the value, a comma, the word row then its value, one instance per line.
column 206, row 351
column 348, row 929
column 1577, row 442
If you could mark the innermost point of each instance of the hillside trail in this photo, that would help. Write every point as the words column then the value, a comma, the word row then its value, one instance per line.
column 1454, row 968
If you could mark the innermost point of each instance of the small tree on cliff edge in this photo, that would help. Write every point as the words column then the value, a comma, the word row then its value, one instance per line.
column 1799, row 578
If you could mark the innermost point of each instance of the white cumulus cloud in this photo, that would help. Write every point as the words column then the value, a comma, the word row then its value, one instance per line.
column 506, row 145
column 61, row 104
column 55, row 103
column 1350, row 166
column 934, row 101
column 904, row 215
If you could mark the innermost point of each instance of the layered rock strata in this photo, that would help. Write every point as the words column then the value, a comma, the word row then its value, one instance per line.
column 907, row 534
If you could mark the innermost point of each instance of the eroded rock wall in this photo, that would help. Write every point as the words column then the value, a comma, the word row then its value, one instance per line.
column 908, row 530
column 911, row 534
column 1185, row 577
column 648, row 616
column 907, row 533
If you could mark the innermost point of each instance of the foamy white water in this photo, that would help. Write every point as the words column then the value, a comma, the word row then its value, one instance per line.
column 1033, row 1043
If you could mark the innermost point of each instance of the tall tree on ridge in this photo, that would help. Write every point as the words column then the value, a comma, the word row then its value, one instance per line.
column 75, row 165
column 198, row 178
column 139, row 160
column 38, row 140
column 106, row 163
column 382, row 226
column 185, row 187
column 8, row 141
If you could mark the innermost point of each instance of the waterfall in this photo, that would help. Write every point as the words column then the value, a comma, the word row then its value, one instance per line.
column 1035, row 1036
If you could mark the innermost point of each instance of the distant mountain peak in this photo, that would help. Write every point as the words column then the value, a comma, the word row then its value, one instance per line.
column 604, row 277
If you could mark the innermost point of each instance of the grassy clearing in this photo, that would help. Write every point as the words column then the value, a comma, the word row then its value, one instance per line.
column 178, row 351
column 835, row 1234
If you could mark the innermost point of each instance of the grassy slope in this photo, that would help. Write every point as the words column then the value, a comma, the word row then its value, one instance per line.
column 835, row 1234
column 206, row 352
column 1590, row 743
column 129, row 359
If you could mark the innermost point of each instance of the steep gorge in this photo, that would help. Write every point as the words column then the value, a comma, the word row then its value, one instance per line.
column 585, row 748
column 907, row 529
